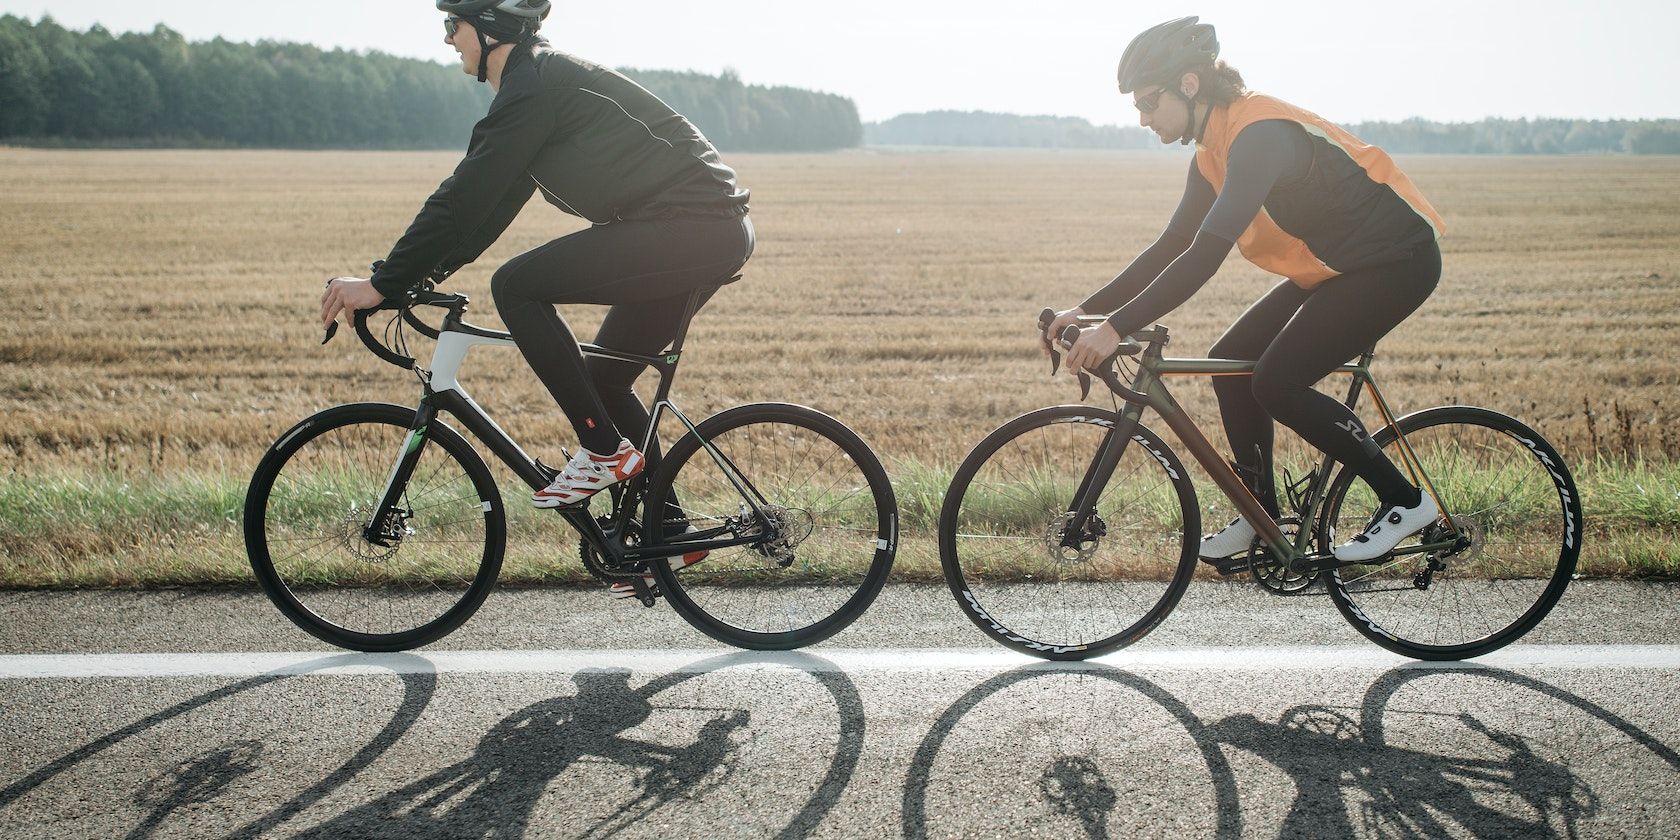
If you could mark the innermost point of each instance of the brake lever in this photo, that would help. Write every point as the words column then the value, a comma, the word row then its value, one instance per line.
column 1069, row 335
column 332, row 330
column 1045, row 319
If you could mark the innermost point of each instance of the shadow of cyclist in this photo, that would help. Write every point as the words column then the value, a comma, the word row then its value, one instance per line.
column 1349, row 777
column 495, row 791
column 1333, row 765
column 1503, row 781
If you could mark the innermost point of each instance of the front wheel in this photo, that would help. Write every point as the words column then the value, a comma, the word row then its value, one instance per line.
column 306, row 516
column 826, row 539
column 1515, row 521
column 1004, row 526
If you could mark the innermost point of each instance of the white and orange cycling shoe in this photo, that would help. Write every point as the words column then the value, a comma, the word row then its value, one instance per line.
column 587, row 474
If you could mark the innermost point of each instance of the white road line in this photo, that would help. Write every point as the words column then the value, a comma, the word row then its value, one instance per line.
column 78, row 666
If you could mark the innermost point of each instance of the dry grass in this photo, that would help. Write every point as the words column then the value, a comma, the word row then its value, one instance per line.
column 161, row 303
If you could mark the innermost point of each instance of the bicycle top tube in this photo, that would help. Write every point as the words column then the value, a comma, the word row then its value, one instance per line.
column 1151, row 341
column 454, row 322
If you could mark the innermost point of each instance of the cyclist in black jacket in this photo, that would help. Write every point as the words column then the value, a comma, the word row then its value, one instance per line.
column 668, row 218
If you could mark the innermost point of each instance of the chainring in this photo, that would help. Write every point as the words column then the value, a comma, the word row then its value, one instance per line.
column 1274, row 574
column 597, row 565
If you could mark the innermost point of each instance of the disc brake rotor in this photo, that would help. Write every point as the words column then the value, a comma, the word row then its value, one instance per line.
column 352, row 538
column 1469, row 528
column 785, row 528
column 1095, row 529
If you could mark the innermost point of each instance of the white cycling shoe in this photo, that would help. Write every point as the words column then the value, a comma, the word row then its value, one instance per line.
column 1235, row 539
column 1388, row 527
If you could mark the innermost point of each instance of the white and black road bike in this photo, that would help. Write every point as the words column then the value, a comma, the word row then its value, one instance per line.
column 378, row 527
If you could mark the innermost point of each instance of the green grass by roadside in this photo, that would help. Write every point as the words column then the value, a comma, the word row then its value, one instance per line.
column 102, row 529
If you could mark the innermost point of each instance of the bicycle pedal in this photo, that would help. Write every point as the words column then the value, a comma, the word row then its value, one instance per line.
column 1313, row 564
column 1227, row 566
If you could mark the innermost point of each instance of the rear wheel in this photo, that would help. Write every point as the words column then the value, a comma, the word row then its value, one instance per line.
column 1005, row 517
column 827, row 540
column 313, row 495
column 1513, row 502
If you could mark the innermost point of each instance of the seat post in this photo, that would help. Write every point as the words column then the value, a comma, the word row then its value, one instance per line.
column 695, row 298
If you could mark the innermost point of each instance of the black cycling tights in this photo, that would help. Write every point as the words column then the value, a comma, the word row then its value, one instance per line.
column 646, row 271
column 1298, row 336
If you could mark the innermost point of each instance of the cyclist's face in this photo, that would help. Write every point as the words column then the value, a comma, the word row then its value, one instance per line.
column 1162, row 112
column 465, row 41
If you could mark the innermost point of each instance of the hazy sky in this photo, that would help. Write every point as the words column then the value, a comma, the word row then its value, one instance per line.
column 1455, row 61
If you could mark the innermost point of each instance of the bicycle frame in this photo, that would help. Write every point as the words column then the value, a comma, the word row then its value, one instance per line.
column 443, row 391
column 1147, row 390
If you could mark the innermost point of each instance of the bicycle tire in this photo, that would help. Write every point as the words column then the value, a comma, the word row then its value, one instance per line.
column 993, row 592
column 322, row 592
column 772, row 444
column 1529, row 490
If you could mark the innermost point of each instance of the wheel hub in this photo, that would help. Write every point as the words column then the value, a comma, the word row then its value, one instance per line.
column 787, row 528
column 1471, row 539
column 355, row 536
column 1055, row 539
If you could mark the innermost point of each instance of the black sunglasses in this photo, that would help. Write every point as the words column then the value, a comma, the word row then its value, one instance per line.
column 452, row 23
column 1148, row 104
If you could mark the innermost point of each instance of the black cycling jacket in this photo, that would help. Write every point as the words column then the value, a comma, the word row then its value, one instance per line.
column 595, row 143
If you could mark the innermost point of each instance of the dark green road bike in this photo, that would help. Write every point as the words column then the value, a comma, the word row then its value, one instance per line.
column 1073, row 530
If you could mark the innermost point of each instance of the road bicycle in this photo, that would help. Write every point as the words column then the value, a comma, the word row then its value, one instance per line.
column 378, row 527
column 1072, row 530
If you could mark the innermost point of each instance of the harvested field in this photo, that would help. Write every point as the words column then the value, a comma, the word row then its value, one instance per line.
column 161, row 327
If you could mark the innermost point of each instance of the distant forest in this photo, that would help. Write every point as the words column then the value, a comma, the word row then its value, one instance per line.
column 1490, row 136
column 981, row 128
column 93, row 88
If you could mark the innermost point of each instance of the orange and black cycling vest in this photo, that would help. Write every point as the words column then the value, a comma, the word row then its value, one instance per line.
column 1353, row 209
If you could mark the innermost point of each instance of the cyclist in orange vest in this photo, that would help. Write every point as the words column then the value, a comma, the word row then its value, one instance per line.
column 1353, row 237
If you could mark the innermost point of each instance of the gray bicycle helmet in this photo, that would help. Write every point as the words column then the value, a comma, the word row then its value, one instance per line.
column 1161, row 52
column 508, row 21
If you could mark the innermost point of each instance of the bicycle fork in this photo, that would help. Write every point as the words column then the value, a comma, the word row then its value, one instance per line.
column 1096, row 479
column 385, row 528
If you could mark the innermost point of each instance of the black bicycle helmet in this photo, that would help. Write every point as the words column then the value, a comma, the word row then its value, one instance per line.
column 508, row 21
column 1161, row 52
column 536, row 9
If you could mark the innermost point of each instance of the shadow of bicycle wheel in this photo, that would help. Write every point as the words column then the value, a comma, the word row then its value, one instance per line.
column 1091, row 764
column 202, row 778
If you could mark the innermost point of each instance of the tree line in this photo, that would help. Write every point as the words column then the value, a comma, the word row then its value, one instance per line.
column 983, row 128
column 63, row 87
column 1413, row 136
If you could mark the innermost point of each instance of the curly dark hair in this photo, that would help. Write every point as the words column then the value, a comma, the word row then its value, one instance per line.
column 1221, row 83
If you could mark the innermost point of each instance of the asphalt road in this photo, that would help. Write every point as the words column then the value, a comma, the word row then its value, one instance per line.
column 193, row 714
